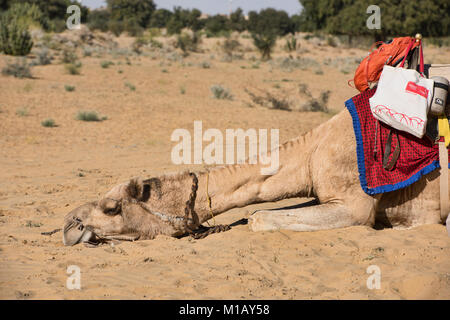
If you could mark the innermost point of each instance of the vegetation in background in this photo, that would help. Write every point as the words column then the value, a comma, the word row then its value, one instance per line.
column 15, row 38
column 130, row 86
column 291, row 44
column 48, row 123
column 229, row 46
column 89, row 116
column 399, row 18
column 52, row 14
column 69, row 88
column 187, row 42
column 431, row 18
column 106, row 64
column 220, row 92
column 265, row 44
column 19, row 69
column 73, row 68
column 22, row 112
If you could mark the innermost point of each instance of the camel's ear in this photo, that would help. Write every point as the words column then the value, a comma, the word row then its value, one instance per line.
column 136, row 189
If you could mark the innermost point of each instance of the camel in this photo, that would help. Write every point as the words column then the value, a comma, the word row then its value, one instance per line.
column 321, row 164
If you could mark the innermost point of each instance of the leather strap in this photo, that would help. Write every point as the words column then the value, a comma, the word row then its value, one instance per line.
column 444, row 196
column 389, row 165
column 421, row 61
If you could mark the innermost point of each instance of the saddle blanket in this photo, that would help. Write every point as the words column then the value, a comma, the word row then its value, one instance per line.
column 417, row 158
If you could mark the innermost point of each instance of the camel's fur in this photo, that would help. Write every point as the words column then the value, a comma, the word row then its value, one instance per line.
column 321, row 164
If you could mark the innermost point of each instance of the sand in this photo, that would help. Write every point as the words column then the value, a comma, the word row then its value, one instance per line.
column 46, row 172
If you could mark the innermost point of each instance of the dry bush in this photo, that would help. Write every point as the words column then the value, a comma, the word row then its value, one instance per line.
column 269, row 100
column 289, row 99
column 290, row 64
column 19, row 69
column 221, row 93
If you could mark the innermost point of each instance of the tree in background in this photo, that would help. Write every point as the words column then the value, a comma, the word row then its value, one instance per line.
column 265, row 44
column 398, row 18
column 130, row 15
column 139, row 10
column 99, row 19
column 270, row 21
column 4, row 4
column 160, row 18
column 237, row 21
column 217, row 25
column 184, row 18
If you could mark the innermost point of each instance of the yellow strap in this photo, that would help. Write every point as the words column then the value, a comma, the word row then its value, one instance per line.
column 444, row 130
column 209, row 200
column 444, row 196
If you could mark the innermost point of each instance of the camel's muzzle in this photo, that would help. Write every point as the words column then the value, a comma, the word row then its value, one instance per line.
column 75, row 232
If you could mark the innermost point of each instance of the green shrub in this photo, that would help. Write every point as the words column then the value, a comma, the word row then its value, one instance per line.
column 68, row 56
column 265, row 44
column 106, row 64
column 130, row 86
column 48, row 123
column 187, row 42
column 331, row 41
column 98, row 20
column 205, row 65
column 43, row 58
column 73, row 68
column 19, row 69
column 229, row 46
column 220, row 92
column 291, row 44
column 116, row 27
column 15, row 39
column 90, row 116
column 69, row 88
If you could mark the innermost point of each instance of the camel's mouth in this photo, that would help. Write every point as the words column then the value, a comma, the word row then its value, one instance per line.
column 75, row 232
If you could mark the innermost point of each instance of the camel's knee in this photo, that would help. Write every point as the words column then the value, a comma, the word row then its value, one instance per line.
column 262, row 221
column 363, row 214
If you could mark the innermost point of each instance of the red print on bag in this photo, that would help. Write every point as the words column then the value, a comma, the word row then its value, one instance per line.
column 412, row 87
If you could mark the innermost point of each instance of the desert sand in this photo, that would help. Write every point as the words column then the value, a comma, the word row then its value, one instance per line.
column 46, row 172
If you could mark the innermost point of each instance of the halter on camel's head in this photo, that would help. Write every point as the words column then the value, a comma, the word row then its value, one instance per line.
column 139, row 209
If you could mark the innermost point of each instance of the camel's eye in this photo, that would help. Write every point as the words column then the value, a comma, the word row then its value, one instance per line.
column 112, row 211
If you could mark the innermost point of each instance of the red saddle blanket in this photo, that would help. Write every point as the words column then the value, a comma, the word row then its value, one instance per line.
column 417, row 157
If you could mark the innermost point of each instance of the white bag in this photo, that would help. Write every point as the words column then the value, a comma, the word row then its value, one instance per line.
column 402, row 99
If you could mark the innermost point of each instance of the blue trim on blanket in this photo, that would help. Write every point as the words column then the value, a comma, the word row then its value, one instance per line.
column 361, row 163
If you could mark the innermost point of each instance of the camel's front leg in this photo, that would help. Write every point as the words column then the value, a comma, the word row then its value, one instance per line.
column 319, row 217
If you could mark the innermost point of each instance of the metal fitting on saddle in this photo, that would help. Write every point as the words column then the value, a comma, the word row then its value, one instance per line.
column 439, row 101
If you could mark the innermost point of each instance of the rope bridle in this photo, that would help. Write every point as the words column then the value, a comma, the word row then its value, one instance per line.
column 190, row 216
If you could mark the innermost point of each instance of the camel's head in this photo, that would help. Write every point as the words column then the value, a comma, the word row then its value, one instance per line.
column 129, row 211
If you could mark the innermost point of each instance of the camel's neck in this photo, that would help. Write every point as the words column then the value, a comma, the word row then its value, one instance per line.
column 241, row 185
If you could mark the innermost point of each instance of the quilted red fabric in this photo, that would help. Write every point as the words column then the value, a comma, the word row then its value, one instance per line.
column 418, row 157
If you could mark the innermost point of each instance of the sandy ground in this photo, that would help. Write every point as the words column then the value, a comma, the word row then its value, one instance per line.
column 46, row 172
